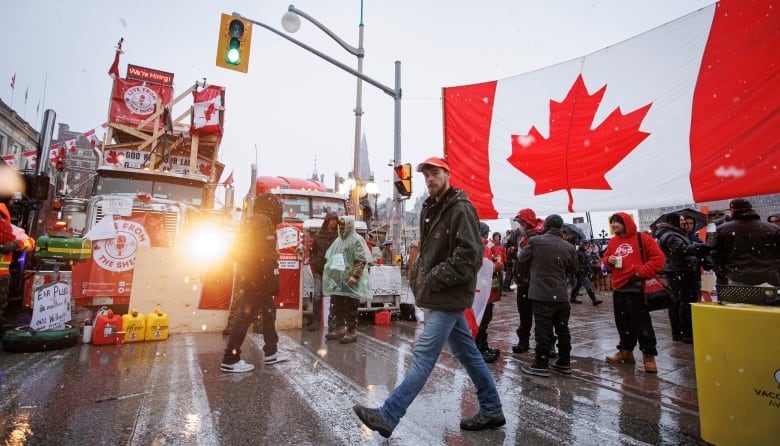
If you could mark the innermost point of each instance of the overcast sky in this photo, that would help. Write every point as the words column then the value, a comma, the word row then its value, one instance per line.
column 294, row 107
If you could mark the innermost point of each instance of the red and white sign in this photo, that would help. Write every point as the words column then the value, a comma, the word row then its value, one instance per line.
column 110, row 270
column 684, row 113
column 134, row 101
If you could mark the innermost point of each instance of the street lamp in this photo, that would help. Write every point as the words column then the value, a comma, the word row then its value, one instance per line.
column 291, row 23
column 395, row 92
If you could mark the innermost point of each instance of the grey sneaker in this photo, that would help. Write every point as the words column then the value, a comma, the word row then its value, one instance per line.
column 479, row 422
column 373, row 419
column 561, row 368
column 279, row 356
column 238, row 367
column 535, row 370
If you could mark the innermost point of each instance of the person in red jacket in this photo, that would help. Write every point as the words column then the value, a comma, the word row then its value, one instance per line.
column 11, row 239
column 632, row 319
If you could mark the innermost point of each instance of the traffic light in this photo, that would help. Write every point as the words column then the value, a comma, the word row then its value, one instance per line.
column 235, row 41
column 404, row 181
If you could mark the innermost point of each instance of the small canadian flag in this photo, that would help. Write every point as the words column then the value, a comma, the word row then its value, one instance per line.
column 206, row 106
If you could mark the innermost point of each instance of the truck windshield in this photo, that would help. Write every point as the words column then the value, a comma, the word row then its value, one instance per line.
column 189, row 194
column 302, row 207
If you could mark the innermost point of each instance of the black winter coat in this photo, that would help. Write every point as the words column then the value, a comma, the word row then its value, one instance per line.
column 320, row 244
column 748, row 250
column 680, row 252
column 550, row 260
column 257, row 255
column 584, row 259
column 444, row 276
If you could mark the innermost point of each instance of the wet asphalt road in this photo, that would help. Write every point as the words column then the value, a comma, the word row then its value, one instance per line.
column 173, row 393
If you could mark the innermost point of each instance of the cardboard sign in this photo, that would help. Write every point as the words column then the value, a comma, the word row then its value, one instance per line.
column 385, row 280
column 51, row 306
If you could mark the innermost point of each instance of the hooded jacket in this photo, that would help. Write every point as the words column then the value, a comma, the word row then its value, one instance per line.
column 444, row 276
column 257, row 254
column 748, row 249
column 322, row 241
column 627, row 247
column 347, row 257
column 680, row 252
column 12, row 239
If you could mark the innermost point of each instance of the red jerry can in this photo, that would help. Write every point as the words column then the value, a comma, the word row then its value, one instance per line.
column 107, row 328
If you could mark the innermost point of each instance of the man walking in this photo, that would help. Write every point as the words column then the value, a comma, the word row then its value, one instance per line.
column 550, row 260
column 585, row 259
column 258, row 279
column 443, row 280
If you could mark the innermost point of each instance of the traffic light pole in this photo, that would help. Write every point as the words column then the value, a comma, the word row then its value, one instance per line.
column 395, row 93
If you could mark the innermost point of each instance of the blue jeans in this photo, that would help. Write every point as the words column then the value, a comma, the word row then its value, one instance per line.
column 441, row 327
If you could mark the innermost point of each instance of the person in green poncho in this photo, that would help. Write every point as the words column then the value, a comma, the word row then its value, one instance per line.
column 345, row 280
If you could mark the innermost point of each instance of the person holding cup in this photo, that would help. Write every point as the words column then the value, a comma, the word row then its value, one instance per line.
column 629, row 267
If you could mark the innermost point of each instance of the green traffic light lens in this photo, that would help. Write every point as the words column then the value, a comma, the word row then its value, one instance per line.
column 233, row 55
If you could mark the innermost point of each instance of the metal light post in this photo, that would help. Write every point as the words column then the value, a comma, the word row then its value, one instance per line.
column 291, row 22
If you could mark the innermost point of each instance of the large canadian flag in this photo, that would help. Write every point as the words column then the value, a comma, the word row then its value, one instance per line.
column 685, row 113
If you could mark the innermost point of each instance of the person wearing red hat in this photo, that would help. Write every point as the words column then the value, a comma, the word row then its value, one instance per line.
column 443, row 280
column 530, row 226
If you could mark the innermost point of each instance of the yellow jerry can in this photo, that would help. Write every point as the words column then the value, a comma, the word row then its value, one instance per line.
column 134, row 325
column 157, row 327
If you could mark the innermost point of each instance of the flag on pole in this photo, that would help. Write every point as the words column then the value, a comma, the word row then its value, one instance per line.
column 229, row 180
column 206, row 105
column 13, row 81
column 684, row 113
column 114, row 70
column 26, row 90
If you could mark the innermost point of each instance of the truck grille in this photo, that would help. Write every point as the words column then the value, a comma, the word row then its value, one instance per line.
column 172, row 221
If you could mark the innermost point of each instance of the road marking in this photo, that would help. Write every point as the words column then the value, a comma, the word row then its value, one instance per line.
column 185, row 414
column 331, row 395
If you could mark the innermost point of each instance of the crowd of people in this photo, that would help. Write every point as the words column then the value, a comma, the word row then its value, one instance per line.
column 546, row 265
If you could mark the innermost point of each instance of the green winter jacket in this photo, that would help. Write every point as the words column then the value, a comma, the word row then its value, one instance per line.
column 444, row 276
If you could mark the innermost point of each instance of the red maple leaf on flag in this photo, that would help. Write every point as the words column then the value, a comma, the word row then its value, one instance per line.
column 209, row 112
column 112, row 157
column 576, row 156
column 205, row 169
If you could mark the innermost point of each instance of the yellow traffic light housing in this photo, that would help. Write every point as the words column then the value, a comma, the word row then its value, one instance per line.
column 404, row 181
column 235, row 41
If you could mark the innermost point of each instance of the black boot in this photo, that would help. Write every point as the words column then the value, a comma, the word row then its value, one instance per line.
column 522, row 346
column 594, row 299
column 574, row 299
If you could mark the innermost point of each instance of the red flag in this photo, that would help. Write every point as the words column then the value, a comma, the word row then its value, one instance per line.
column 206, row 107
column 229, row 180
column 134, row 101
column 91, row 137
column 683, row 113
column 13, row 81
column 114, row 70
